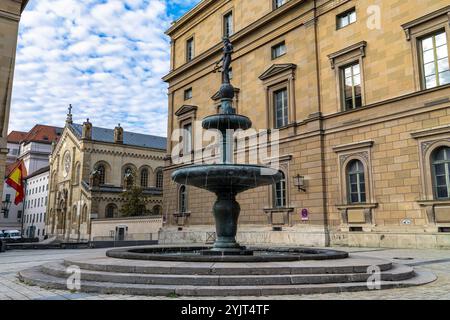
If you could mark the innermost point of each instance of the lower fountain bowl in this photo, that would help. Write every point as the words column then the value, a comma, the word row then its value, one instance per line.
column 207, row 254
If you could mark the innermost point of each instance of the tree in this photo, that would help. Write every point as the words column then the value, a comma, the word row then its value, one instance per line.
column 134, row 202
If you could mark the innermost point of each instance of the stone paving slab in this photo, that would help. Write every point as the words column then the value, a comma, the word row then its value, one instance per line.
column 436, row 261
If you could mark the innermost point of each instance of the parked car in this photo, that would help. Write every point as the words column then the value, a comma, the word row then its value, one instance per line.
column 12, row 236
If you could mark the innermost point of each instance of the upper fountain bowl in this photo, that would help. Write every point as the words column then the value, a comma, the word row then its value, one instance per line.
column 227, row 121
column 227, row 178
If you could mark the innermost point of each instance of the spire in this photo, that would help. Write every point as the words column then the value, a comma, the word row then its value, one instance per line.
column 69, row 115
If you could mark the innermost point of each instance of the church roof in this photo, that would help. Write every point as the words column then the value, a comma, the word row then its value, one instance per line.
column 129, row 138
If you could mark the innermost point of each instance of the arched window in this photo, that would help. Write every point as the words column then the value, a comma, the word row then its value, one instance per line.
column 111, row 210
column 440, row 160
column 159, row 179
column 101, row 173
column 157, row 210
column 183, row 199
column 144, row 178
column 84, row 214
column 128, row 177
column 356, row 182
column 279, row 193
column 74, row 214
column 77, row 173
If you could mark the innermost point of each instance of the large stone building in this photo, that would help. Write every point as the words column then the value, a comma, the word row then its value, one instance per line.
column 359, row 94
column 33, row 148
column 90, row 167
column 10, row 12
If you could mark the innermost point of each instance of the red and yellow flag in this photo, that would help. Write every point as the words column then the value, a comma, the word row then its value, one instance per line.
column 15, row 180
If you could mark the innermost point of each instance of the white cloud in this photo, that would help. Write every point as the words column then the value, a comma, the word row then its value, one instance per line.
column 106, row 58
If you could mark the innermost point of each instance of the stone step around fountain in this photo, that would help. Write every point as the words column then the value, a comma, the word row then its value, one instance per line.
column 353, row 264
column 397, row 273
column 162, row 278
column 36, row 276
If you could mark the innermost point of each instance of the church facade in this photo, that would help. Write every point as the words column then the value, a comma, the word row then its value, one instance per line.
column 91, row 167
column 358, row 95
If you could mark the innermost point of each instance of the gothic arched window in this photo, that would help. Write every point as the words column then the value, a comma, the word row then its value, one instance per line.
column 144, row 178
column 356, row 182
column 111, row 210
column 440, row 162
column 101, row 173
column 159, row 179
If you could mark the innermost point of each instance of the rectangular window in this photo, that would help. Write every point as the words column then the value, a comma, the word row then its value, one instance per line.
column 281, row 108
column 278, row 3
column 189, row 49
column 187, row 138
column 228, row 25
column 188, row 94
column 351, row 86
column 8, row 197
column 346, row 18
column 435, row 62
column 19, row 214
column 278, row 50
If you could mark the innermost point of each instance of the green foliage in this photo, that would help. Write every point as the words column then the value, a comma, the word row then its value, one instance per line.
column 134, row 203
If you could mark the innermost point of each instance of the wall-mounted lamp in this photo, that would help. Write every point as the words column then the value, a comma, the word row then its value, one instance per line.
column 300, row 182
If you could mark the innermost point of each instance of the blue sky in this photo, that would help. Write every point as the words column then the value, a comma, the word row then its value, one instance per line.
column 105, row 57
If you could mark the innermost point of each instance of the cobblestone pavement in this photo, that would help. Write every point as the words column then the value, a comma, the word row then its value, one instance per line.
column 437, row 261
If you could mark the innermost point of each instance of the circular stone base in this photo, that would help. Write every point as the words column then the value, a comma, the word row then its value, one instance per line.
column 205, row 254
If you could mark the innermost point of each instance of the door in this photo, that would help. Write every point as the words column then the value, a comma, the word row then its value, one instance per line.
column 121, row 234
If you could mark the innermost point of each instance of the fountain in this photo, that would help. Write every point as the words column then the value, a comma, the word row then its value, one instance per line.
column 226, row 179
column 226, row 268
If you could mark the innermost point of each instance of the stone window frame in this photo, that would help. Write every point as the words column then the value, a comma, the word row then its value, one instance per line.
column 233, row 22
column 420, row 28
column 188, row 39
column 278, row 77
column 107, row 173
column 273, row 56
column 186, row 92
column 343, row 14
column 428, row 141
column 361, row 151
column 187, row 114
column 270, row 210
column 345, row 57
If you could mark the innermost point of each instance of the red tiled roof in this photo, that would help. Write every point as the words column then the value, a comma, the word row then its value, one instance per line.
column 43, row 134
column 16, row 136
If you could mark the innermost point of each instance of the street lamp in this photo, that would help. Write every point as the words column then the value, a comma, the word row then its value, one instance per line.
column 6, row 205
column 300, row 182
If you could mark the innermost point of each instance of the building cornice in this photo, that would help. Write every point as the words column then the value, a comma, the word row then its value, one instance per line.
column 238, row 36
column 408, row 26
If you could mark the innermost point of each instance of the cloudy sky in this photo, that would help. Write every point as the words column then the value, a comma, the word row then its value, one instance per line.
column 105, row 57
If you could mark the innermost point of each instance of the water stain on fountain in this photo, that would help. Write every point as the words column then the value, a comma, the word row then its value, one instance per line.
column 226, row 179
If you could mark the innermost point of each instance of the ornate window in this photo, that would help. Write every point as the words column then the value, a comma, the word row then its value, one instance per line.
column 159, row 179
column 356, row 182
column 429, row 36
column 144, row 178
column 441, row 172
column 280, row 193
column 351, row 86
column 101, row 173
column 281, row 107
column 111, row 210
column 435, row 63
column 183, row 200
column 128, row 177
